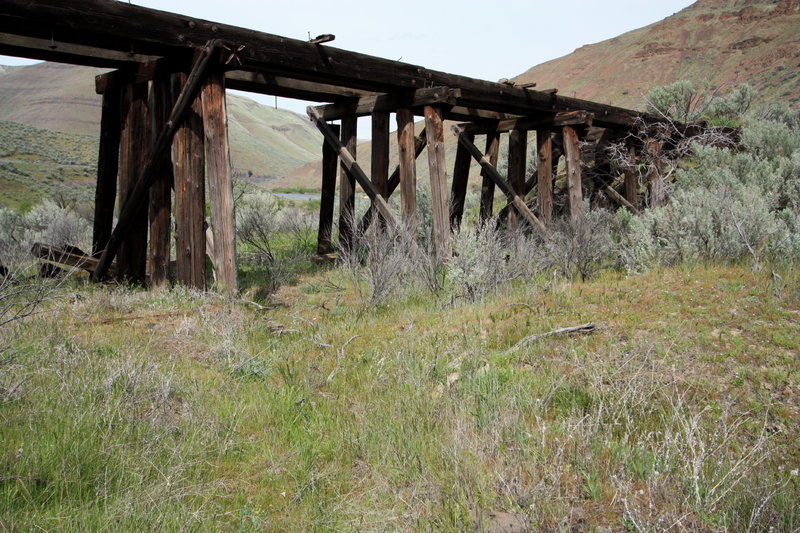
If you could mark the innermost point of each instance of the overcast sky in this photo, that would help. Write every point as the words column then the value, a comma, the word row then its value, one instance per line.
column 480, row 39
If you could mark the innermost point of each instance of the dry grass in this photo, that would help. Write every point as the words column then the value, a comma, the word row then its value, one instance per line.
column 177, row 410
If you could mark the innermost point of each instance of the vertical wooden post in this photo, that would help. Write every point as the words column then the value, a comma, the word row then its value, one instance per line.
column 379, row 169
column 487, row 185
column 347, row 185
column 575, row 193
column 434, row 129
column 380, row 152
column 408, row 168
column 220, row 182
column 459, row 187
column 134, row 147
column 544, row 151
column 107, row 167
column 517, row 152
column 161, row 102
column 330, row 162
column 656, row 187
column 631, row 177
column 188, row 160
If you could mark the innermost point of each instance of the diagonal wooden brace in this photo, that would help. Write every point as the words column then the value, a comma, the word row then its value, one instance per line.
column 156, row 159
column 394, row 181
column 352, row 167
column 495, row 176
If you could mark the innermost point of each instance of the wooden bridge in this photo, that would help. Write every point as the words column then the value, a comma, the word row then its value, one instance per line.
column 164, row 129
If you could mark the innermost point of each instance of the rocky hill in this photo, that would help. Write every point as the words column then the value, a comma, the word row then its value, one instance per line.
column 714, row 43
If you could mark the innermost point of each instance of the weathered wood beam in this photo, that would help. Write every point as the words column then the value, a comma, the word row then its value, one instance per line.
column 379, row 162
column 572, row 154
column 407, row 168
column 420, row 143
column 220, row 182
column 390, row 102
column 618, row 198
column 188, row 162
column 434, row 129
column 491, row 171
column 487, row 183
column 45, row 49
column 458, row 193
column 347, row 184
column 107, row 167
column 656, row 187
column 156, row 159
column 161, row 190
column 274, row 84
column 349, row 161
column 134, row 141
column 549, row 120
column 544, row 172
column 64, row 257
column 330, row 163
column 631, row 176
column 517, row 154
column 123, row 27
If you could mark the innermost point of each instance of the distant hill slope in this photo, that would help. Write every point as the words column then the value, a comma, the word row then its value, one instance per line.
column 266, row 143
column 720, row 43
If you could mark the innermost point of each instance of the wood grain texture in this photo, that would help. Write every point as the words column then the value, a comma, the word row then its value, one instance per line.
column 188, row 161
column 161, row 190
column 544, row 171
column 572, row 154
column 407, row 168
column 487, row 183
column 347, row 184
column 458, row 192
column 134, row 143
column 517, row 154
column 434, row 129
column 330, row 164
column 220, row 183
column 494, row 175
column 107, row 168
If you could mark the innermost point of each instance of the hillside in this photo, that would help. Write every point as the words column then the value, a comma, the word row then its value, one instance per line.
column 714, row 43
column 265, row 142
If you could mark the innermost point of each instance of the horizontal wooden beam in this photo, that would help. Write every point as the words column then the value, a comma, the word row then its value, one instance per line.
column 567, row 118
column 277, row 85
column 61, row 52
column 103, row 26
column 389, row 102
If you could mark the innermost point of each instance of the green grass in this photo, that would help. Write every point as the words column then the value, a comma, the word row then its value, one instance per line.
column 127, row 410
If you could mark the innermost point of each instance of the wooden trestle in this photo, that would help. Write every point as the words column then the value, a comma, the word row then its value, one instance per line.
column 164, row 129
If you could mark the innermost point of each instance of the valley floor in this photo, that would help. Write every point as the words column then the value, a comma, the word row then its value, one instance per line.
column 128, row 410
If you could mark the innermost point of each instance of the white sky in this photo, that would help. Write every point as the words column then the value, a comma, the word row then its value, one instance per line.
column 472, row 38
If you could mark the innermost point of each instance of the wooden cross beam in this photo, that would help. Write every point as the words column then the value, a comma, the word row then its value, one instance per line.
column 156, row 159
column 553, row 120
column 350, row 164
column 495, row 176
column 389, row 102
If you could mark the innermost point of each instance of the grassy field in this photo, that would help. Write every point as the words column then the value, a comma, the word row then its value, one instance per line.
column 124, row 410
